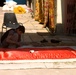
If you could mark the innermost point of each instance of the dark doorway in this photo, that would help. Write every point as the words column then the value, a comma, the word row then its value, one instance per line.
column 2, row 2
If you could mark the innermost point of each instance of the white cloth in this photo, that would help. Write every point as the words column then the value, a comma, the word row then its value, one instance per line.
column 9, row 5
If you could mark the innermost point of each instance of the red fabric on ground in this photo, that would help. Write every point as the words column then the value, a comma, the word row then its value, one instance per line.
column 39, row 53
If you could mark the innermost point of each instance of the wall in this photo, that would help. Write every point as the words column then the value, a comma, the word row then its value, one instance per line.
column 68, row 16
column 59, row 12
column 59, row 18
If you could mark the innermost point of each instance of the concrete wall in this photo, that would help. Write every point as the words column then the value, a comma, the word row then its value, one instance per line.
column 59, row 12
column 59, row 19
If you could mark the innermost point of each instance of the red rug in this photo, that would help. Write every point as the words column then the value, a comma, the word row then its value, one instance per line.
column 37, row 53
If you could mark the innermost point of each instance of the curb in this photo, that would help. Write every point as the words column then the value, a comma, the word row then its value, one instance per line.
column 38, row 64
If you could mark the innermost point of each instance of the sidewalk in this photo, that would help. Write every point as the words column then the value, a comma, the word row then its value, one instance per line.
column 39, row 72
column 38, row 64
column 34, row 34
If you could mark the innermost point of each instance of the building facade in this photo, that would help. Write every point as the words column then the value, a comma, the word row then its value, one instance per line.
column 69, row 16
column 65, row 15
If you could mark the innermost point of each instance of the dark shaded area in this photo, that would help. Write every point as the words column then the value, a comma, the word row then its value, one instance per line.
column 2, row 2
column 55, row 41
column 20, row 1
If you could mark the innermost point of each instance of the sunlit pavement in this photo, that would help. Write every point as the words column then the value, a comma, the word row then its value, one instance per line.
column 39, row 72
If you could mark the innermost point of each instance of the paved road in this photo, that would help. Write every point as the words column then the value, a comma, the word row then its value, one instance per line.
column 39, row 72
